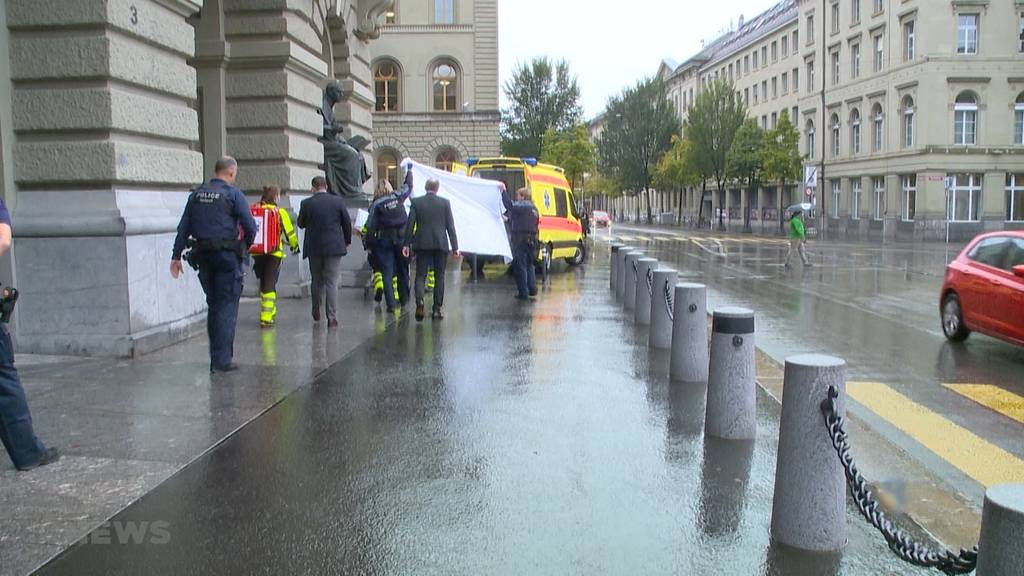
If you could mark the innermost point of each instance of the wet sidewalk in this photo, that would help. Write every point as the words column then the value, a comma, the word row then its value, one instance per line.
column 510, row 438
column 125, row 426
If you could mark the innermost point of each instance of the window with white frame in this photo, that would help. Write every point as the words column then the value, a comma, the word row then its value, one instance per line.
column 810, row 28
column 444, row 11
column 855, row 60
column 775, row 120
column 810, row 75
column 964, row 198
column 835, row 136
column 879, row 5
column 855, row 11
column 1018, row 120
column 1015, row 197
column 878, row 118
column 855, row 131
column 809, row 130
column 775, row 52
column 909, row 186
column 785, row 83
column 764, row 55
column 836, row 189
column 965, row 119
column 967, row 34
column 835, row 67
column 1020, row 41
column 755, row 94
column 879, row 41
column 908, row 122
column 908, row 41
column 835, row 17
column 764, row 90
column 855, row 188
column 878, row 204
column 764, row 121
column 746, row 64
column 755, row 59
column 785, row 46
column 796, row 80
column 796, row 41
column 775, row 87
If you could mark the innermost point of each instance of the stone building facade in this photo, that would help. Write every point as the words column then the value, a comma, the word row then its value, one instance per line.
column 910, row 111
column 111, row 110
column 435, row 70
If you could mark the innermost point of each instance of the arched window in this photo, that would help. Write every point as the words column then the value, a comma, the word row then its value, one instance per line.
column 445, row 159
column 879, row 128
column 1018, row 121
column 445, row 86
column 810, row 138
column 855, row 131
column 386, row 85
column 965, row 119
column 387, row 167
column 908, row 122
column 835, row 136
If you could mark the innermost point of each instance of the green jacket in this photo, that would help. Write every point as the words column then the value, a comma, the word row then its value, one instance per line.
column 796, row 228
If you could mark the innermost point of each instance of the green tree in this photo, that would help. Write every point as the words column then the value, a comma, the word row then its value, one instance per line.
column 542, row 95
column 601, row 186
column 571, row 150
column 782, row 163
column 676, row 169
column 745, row 159
column 640, row 126
column 713, row 121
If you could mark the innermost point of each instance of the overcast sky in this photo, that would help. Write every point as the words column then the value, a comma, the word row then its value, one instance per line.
column 610, row 45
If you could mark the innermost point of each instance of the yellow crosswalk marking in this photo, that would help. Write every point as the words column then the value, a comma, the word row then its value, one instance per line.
column 992, row 397
column 971, row 454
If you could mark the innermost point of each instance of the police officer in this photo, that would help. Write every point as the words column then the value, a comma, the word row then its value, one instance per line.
column 524, row 219
column 386, row 228
column 217, row 217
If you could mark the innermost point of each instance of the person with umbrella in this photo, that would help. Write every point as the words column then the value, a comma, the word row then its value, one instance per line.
column 797, row 236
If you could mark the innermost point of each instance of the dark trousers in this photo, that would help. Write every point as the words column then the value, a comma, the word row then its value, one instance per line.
column 15, row 420
column 393, row 264
column 324, row 271
column 267, row 270
column 425, row 260
column 220, row 273
column 524, row 256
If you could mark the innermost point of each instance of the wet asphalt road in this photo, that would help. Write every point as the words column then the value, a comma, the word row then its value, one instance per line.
column 875, row 306
column 508, row 439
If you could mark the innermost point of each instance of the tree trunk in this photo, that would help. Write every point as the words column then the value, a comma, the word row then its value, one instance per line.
column 680, row 192
column 647, row 194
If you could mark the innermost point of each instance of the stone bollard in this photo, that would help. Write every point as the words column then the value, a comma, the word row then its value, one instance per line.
column 661, row 323
column 645, row 267
column 1001, row 550
column 629, row 266
column 620, row 274
column 809, row 508
column 689, row 334
column 732, row 384
column 611, row 264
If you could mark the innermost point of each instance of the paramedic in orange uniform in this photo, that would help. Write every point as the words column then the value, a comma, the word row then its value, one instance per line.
column 267, row 267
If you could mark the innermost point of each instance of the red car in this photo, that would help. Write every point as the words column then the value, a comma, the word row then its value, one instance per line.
column 600, row 218
column 984, row 289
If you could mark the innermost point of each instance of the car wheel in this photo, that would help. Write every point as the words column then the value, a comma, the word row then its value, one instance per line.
column 577, row 258
column 953, row 319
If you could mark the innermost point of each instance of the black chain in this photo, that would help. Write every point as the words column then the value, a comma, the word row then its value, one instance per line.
column 899, row 541
column 636, row 273
column 668, row 303
column 650, row 282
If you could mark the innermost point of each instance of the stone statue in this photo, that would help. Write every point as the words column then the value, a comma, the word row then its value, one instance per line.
column 343, row 160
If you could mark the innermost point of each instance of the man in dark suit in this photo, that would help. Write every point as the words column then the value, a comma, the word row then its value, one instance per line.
column 328, row 234
column 430, row 229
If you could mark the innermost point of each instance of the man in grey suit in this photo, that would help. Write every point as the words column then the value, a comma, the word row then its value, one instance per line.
column 430, row 229
column 328, row 236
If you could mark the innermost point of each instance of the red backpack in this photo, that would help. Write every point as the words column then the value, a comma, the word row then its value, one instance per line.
column 268, row 230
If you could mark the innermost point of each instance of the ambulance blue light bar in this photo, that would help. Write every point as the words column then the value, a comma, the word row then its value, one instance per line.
column 530, row 161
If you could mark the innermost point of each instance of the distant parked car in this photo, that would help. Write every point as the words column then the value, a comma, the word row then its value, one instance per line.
column 984, row 289
column 600, row 218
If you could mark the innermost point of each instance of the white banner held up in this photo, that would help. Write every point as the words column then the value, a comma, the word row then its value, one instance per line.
column 476, row 208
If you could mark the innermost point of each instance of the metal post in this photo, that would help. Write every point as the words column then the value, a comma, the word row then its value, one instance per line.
column 621, row 274
column 631, row 274
column 689, row 333
column 732, row 385
column 642, row 294
column 661, row 311
column 474, row 276
column 1000, row 551
column 611, row 264
column 809, row 509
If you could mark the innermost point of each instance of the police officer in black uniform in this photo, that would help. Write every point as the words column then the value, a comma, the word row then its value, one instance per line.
column 386, row 227
column 524, row 219
column 218, row 220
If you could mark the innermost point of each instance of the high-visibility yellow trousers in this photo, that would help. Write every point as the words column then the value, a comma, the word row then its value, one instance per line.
column 268, row 307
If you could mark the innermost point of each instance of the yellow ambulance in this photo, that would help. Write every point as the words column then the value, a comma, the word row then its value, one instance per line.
column 561, row 232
